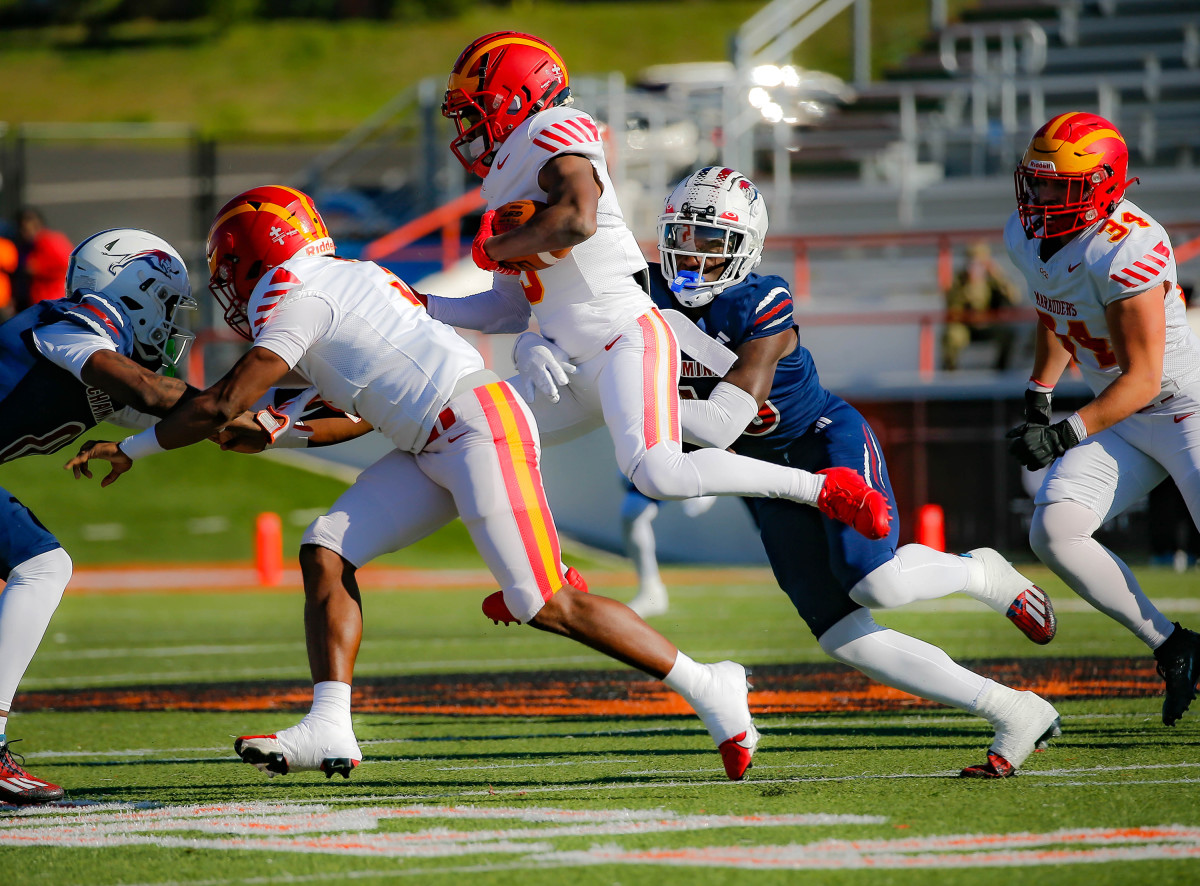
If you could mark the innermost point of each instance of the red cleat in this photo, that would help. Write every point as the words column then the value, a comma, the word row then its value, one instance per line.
column 738, row 752
column 847, row 498
column 497, row 610
column 19, row 787
column 995, row 767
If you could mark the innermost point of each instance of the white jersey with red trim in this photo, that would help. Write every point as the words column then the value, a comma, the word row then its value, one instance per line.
column 1127, row 253
column 357, row 332
column 583, row 300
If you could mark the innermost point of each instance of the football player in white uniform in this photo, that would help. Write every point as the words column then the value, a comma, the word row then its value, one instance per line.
column 466, row 446
column 1103, row 278
column 509, row 97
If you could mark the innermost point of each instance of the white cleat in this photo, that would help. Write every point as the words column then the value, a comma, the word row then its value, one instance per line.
column 1027, row 725
column 1023, row 603
column 299, row 749
column 725, row 710
column 650, row 600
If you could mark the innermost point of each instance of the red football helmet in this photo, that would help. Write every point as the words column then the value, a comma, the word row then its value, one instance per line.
column 498, row 82
column 1072, row 175
column 253, row 233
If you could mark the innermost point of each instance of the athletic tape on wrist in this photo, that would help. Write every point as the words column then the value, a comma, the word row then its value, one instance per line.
column 140, row 445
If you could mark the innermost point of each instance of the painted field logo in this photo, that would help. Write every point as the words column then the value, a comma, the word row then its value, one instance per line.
column 531, row 832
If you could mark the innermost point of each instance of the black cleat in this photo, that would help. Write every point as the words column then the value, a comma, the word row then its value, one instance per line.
column 1179, row 666
column 19, row 787
column 342, row 766
column 262, row 751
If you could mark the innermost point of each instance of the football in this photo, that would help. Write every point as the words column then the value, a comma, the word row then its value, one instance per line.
column 513, row 215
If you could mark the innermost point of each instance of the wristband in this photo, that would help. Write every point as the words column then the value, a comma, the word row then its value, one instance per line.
column 1035, row 385
column 140, row 445
column 1075, row 420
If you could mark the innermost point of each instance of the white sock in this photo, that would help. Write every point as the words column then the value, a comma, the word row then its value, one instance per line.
column 686, row 677
column 26, row 606
column 331, row 702
column 995, row 701
column 1061, row 536
column 914, row 573
column 901, row 661
column 3, row 726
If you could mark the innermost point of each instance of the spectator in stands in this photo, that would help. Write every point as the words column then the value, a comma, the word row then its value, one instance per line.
column 980, row 286
column 8, row 265
column 43, row 255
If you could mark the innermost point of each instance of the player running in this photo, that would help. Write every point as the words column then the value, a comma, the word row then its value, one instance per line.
column 65, row 366
column 508, row 96
column 466, row 446
column 1104, row 281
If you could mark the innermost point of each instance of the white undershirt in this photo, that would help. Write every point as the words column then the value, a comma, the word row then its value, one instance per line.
column 68, row 345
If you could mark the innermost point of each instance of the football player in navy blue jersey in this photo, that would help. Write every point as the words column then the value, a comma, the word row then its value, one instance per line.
column 65, row 366
column 769, row 404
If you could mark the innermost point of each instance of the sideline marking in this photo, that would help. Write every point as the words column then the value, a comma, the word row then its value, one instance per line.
column 317, row 828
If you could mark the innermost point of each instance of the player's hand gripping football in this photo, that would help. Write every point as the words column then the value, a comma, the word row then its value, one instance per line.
column 847, row 498
column 543, row 365
column 479, row 254
column 102, row 449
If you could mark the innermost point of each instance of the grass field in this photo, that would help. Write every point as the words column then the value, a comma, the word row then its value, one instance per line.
column 148, row 690
column 240, row 79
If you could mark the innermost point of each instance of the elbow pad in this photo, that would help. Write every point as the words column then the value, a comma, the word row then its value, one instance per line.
column 719, row 420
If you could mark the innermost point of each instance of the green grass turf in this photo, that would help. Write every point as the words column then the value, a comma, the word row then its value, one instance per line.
column 323, row 78
column 1115, row 766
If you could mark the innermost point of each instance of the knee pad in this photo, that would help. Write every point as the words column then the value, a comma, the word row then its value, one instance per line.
column 47, row 573
column 877, row 589
column 665, row 473
column 854, row 626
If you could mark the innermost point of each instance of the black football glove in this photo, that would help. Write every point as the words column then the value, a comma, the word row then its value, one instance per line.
column 1037, row 407
column 1035, row 446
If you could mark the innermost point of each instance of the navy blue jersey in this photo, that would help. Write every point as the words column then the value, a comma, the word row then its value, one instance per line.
column 42, row 406
column 757, row 307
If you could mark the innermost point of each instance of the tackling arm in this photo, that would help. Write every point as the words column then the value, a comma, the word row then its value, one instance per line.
column 721, row 419
column 132, row 384
column 494, row 310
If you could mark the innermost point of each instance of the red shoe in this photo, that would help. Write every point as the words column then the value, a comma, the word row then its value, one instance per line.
column 19, row 787
column 995, row 767
column 497, row 610
column 847, row 498
column 738, row 752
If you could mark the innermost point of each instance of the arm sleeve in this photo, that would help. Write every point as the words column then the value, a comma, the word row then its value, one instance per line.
column 68, row 345
column 295, row 325
column 719, row 420
column 502, row 308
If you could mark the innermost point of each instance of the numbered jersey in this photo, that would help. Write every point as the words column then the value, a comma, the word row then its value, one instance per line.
column 357, row 332
column 583, row 300
column 42, row 406
column 1127, row 253
column 757, row 307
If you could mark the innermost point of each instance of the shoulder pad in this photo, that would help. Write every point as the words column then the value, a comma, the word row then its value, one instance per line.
column 565, row 130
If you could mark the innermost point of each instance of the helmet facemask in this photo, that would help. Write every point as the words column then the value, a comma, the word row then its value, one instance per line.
column 710, row 234
column 1070, row 205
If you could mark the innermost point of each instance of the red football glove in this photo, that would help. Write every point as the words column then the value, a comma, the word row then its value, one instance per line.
column 479, row 254
column 847, row 498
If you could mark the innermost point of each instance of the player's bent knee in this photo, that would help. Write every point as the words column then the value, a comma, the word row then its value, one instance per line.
column 838, row 641
column 666, row 474
column 47, row 573
column 881, row 588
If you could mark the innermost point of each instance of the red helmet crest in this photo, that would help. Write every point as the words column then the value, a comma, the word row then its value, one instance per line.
column 1071, row 176
column 498, row 82
column 253, row 233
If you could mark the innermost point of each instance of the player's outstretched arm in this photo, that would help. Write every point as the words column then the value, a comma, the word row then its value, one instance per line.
column 132, row 384
column 191, row 420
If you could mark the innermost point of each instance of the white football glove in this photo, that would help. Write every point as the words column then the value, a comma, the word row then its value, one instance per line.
column 543, row 366
column 282, row 422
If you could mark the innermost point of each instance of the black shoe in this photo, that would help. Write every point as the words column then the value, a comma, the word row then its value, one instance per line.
column 1179, row 666
column 18, row 786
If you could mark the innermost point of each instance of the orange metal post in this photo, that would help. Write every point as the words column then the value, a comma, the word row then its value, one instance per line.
column 268, row 549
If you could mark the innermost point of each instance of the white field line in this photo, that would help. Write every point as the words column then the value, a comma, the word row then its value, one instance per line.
column 319, row 829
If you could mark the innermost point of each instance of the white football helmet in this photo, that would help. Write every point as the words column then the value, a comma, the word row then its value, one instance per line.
column 150, row 280
column 715, row 219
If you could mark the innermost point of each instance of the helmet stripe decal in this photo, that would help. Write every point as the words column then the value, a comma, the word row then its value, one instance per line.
column 509, row 40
